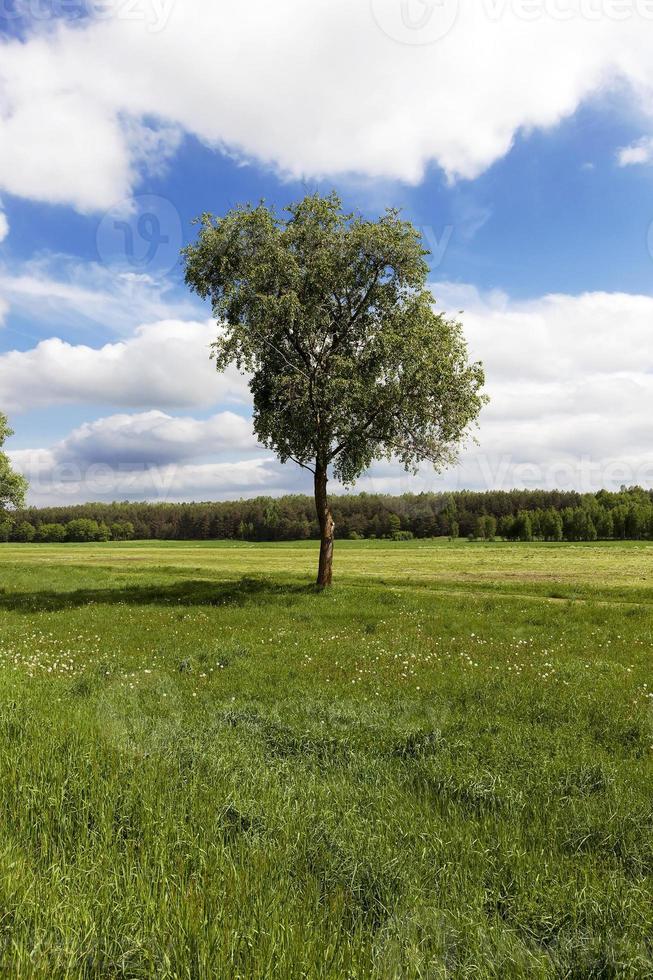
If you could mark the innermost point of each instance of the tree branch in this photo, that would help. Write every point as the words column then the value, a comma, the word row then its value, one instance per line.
column 303, row 465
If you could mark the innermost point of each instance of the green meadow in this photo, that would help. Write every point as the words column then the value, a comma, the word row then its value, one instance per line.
column 440, row 768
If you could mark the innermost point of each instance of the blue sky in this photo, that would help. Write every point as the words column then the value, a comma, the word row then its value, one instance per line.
column 520, row 147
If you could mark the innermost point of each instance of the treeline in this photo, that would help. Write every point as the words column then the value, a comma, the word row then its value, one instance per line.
column 516, row 515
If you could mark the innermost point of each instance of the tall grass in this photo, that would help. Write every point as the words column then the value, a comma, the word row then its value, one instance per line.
column 439, row 769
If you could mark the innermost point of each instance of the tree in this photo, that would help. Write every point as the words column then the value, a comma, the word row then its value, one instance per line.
column 394, row 525
column 506, row 526
column 485, row 527
column 604, row 525
column 348, row 362
column 272, row 519
column 479, row 527
column 450, row 517
column 13, row 487
column 103, row 532
column 122, row 531
column 51, row 532
column 636, row 520
column 83, row 529
column 24, row 532
column 522, row 528
column 551, row 525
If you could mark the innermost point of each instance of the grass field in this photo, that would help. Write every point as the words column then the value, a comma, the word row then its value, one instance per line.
column 441, row 768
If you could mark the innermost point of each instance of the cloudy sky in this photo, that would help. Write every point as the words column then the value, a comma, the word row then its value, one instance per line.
column 516, row 134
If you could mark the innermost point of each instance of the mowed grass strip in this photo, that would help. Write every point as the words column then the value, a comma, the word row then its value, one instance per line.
column 440, row 768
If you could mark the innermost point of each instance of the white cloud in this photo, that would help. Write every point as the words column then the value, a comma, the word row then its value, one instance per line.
column 142, row 442
column 61, row 290
column 62, row 140
column 52, row 483
column 639, row 152
column 571, row 383
column 556, row 337
column 4, row 226
column 163, row 365
column 570, row 378
column 322, row 88
column 155, row 438
column 151, row 455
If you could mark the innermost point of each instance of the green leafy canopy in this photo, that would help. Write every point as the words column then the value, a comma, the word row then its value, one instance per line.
column 330, row 315
column 12, row 486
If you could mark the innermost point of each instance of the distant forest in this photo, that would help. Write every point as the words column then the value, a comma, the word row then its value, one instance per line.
column 523, row 515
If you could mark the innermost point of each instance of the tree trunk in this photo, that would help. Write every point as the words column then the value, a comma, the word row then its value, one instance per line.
column 325, row 518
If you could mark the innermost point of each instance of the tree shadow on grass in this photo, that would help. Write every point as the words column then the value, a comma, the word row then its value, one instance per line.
column 189, row 592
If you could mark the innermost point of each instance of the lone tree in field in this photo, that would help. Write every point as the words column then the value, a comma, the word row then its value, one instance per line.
column 329, row 315
column 12, row 486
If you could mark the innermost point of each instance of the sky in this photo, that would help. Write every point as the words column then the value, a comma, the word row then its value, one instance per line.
column 517, row 135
